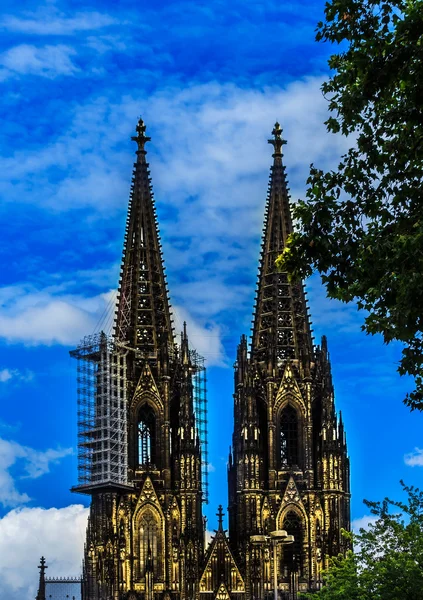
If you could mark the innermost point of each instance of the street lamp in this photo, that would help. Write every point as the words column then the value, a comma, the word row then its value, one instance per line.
column 280, row 536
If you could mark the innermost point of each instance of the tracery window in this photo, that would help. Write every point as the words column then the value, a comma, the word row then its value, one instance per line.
column 150, row 537
column 289, row 437
column 146, row 435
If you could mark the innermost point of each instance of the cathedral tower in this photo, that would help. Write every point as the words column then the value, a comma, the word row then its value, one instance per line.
column 139, row 446
column 288, row 467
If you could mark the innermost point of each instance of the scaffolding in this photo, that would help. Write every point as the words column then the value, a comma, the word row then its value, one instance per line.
column 102, row 410
column 199, row 380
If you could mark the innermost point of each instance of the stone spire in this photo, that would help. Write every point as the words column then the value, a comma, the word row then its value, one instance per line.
column 143, row 316
column 42, row 585
column 281, row 324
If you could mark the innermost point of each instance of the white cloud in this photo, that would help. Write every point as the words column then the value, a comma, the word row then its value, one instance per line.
column 52, row 22
column 47, row 61
column 26, row 534
column 48, row 316
column 414, row 459
column 363, row 523
column 34, row 464
column 8, row 374
column 209, row 162
column 52, row 316
column 204, row 138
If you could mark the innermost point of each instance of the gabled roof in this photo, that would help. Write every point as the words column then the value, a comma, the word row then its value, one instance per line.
column 221, row 568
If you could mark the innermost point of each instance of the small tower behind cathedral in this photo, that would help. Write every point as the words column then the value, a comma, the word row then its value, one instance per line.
column 139, row 443
column 41, row 594
column 288, row 468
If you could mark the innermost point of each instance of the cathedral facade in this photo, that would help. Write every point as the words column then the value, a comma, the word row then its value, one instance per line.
column 140, row 451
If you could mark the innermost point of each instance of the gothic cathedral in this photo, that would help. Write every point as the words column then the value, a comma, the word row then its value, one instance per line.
column 141, row 449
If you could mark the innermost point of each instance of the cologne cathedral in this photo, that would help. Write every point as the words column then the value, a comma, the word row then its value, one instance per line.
column 141, row 423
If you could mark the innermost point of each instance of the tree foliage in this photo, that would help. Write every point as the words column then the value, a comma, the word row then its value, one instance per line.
column 361, row 226
column 387, row 562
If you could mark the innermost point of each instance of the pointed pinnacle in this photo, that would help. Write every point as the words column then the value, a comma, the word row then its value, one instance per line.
column 278, row 141
column 141, row 139
column 219, row 516
column 184, row 345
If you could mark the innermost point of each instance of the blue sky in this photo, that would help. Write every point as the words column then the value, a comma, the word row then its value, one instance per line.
column 209, row 79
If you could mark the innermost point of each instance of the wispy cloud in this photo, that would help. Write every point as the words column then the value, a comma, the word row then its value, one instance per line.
column 414, row 459
column 209, row 161
column 33, row 463
column 52, row 22
column 54, row 316
column 7, row 375
column 32, row 316
column 204, row 336
column 46, row 61
column 363, row 523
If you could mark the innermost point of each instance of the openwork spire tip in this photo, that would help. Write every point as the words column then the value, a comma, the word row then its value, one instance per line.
column 141, row 139
column 277, row 141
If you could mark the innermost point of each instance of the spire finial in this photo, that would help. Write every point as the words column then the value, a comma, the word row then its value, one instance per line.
column 277, row 141
column 141, row 139
column 219, row 516
column 42, row 564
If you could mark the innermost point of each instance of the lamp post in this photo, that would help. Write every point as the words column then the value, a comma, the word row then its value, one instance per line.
column 280, row 536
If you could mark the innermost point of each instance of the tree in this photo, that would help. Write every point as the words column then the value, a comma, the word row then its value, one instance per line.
column 361, row 226
column 387, row 562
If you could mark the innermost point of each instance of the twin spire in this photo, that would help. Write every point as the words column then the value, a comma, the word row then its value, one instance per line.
column 143, row 317
column 281, row 329
column 281, row 324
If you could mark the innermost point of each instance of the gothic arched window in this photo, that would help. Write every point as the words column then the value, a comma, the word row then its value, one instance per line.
column 146, row 435
column 150, row 544
column 293, row 553
column 289, row 431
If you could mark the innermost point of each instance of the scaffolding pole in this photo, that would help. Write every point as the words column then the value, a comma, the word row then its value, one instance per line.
column 199, row 381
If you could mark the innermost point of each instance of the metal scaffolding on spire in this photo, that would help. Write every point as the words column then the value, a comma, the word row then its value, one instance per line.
column 102, row 412
column 199, row 381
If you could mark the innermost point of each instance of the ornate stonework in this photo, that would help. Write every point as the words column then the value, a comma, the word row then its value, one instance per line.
column 288, row 468
column 145, row 540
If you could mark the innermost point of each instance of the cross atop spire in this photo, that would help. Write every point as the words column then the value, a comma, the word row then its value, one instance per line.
column 219, row 516
column 277, row 141
column 141, row 139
